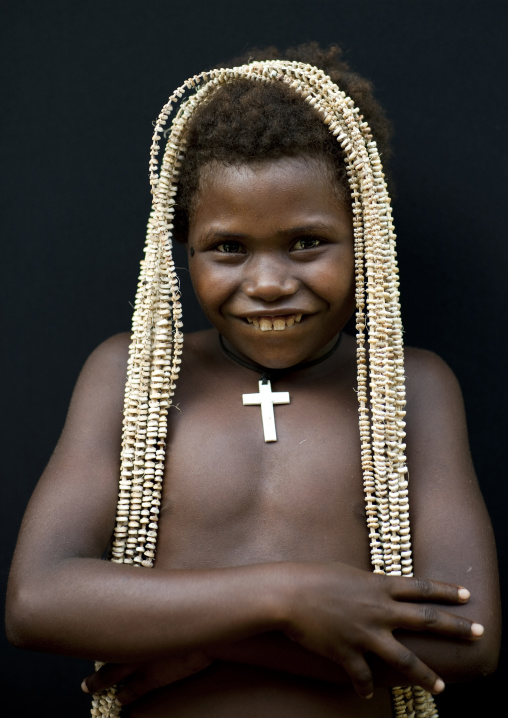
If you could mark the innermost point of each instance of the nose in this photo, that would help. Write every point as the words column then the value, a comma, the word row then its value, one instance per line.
column 269, row 279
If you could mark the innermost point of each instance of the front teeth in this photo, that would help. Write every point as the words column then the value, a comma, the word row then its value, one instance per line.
column 267, row 324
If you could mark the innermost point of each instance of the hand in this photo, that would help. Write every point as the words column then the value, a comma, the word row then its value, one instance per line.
column 342, row 613
column 136, row 679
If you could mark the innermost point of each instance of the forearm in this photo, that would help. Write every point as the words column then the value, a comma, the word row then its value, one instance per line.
column 97, row 609
column 90, row 608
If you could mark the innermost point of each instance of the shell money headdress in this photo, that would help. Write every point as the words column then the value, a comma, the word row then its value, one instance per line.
column 156, row 347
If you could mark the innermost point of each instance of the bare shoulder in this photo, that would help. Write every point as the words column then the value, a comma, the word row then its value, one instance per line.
column 112, row 354
column 425, row 371
column 116, row 346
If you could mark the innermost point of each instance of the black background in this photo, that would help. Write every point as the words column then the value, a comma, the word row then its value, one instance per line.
column 83, row 82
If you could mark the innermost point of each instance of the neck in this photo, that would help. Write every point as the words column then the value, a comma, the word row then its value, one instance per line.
column 268, row 374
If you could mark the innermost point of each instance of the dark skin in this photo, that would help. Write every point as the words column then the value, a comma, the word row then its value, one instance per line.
column 262, row 593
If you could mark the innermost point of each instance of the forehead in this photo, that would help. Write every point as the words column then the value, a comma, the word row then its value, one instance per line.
column 286, row 190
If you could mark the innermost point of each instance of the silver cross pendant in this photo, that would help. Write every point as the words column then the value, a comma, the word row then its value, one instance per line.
column 266, row 399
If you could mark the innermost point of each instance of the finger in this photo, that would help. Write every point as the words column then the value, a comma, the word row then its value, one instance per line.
column 427, row 617
column 424, row 589
column 411, row 667
column 358, row 670
column 108, row 675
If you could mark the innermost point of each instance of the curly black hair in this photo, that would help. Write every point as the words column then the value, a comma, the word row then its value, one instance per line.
column 247, row 121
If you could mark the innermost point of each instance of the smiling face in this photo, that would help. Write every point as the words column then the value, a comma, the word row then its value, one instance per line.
column 271, row 257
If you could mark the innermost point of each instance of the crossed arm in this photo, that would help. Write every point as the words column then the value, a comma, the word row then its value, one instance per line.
column 325, row 621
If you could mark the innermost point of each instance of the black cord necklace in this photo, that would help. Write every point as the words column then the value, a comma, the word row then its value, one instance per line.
column 266, row 398
column 269, row 374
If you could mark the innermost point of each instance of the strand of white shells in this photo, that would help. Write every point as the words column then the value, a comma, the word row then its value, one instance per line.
column 156, row 348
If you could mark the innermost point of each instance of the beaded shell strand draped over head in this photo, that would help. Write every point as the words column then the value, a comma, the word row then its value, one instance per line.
column 156, row 347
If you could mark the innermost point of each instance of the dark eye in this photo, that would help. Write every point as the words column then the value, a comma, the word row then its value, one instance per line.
column 230, row 247
column 306, row 243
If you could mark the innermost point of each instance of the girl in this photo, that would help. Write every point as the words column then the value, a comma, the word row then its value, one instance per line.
column 276, row 522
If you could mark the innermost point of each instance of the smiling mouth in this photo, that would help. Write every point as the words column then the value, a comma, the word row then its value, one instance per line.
column 278, row 324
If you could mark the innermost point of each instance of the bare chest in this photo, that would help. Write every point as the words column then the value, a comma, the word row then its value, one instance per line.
column 230, row 498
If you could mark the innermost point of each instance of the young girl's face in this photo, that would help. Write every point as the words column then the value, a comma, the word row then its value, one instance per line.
column 271, row 257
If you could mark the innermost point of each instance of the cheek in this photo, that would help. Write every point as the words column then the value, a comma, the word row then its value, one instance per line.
column 335, row 282
column 212, row 285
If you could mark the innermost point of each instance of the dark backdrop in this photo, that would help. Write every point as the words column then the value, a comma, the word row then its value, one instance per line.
column 83, row 82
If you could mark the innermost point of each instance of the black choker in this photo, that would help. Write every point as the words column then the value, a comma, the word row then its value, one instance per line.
column 269, row 374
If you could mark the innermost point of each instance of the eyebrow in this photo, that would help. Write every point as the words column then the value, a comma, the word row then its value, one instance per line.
column 305, row 228
column 290, row 231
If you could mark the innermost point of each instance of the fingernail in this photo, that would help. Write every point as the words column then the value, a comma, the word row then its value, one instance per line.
column 438, row 686
column 477, row 629
column 84, row 687
column 464, row 594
